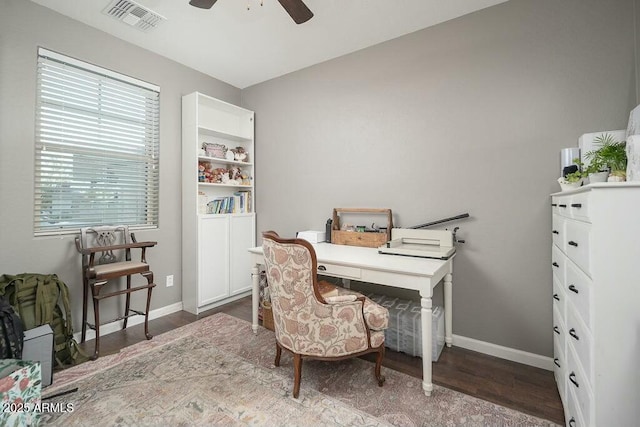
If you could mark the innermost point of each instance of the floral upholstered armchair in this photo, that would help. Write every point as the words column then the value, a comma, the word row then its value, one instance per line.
column 313, row 320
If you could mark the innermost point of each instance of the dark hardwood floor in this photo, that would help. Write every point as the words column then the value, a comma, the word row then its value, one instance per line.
column 525, row 388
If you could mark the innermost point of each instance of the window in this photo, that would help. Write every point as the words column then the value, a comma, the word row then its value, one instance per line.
column 97, row 142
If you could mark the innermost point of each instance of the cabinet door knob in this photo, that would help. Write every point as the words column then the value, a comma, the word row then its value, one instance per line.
column 555, row 264
column 556, row 330
column 573, row 289
column 572, row 332
column 572, row 243
column 556, row 297
column 563, row 206
column 555, row 232
column 322, row 268
column 576, row 205
column 556, row 362
column 553, row 205
column 572, row 378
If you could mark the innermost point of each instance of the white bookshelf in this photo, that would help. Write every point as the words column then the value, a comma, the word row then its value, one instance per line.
column 215, row 260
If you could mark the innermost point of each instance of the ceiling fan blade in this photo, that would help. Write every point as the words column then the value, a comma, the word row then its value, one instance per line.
column 202, row 4
column 297, row 10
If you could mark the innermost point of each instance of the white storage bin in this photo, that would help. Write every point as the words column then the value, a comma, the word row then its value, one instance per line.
column 404, row 333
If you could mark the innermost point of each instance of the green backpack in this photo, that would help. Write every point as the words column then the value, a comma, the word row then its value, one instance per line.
column 35, row 298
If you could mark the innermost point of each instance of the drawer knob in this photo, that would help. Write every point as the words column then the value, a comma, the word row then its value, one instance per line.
column 563, row 206
column 572, row 422
column 554, row 205
column 572, row 378
column 572, row 332
column 555, row 232
column 556, row 362
column 556, row 297
column 576, row 205
column 572, row 288
column 556, row 330
column 572, row 243
column 555, row 264
column 322, row 268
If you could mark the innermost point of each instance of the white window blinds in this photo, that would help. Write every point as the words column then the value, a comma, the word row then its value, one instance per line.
column 97, row 142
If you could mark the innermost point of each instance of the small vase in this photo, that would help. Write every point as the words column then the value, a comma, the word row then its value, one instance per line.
column 598, row 177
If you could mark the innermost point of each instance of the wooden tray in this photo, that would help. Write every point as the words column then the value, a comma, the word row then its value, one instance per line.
column 356, row 238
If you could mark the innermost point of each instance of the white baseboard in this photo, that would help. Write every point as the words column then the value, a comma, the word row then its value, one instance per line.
column 108, row 328
column 507, row 353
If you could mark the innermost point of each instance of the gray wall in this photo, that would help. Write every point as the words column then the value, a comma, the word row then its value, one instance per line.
column 467, row 116
column 23, row 27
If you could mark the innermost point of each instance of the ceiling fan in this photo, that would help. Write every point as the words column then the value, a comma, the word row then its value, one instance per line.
column 295, row 8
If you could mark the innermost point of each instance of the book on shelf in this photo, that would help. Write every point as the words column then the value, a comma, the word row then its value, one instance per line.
column 240, row 202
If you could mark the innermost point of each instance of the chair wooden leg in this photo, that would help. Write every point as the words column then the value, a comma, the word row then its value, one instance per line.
column 85, row 303
column 127, row 303
column 95, row 291
column 297, row 373
column 278, row 354
column 379, row 358
column 149, row 277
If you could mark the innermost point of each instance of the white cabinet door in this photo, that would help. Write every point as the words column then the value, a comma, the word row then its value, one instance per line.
column 242, row 238
column 213, row 259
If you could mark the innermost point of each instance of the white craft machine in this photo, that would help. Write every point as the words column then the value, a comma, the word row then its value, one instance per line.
column 438, row 244
column 420, row 243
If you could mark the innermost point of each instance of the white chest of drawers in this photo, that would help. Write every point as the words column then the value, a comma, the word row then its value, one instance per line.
column 595, row 260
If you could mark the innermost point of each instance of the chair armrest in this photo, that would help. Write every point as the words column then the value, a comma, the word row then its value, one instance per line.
column 340, row 299
column 89, row 251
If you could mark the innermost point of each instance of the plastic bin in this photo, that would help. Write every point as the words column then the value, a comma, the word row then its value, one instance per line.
column 404, row 333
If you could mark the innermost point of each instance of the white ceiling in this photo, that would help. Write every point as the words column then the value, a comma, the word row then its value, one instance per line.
column 244, row 47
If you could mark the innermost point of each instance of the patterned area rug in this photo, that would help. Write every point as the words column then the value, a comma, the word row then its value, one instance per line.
column 216, row 371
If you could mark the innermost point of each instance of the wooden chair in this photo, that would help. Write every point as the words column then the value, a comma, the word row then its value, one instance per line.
column 114, row 245
column 311, row 325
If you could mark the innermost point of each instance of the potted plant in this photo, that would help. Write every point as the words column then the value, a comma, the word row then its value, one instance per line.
column 596, row 171
column 611, row 155
column 573, row 179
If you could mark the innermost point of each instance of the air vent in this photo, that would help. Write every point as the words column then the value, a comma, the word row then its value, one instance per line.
column 133, row 14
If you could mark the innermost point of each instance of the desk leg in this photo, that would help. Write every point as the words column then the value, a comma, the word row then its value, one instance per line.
column 255, row 298
column 427, row 384
column 448, row 311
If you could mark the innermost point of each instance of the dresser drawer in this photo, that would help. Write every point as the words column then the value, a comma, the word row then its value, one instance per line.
column 559, row 299
column 339, row 271
column 579, row 387
column 559, row 333
column 554, row 205
column 578, row 235
column 579, row 206
column 557, row 231
column 579, row 291
column 560, row 364
column 579, row 339
column 560, row 205
column 558, row 260
column 573, row 415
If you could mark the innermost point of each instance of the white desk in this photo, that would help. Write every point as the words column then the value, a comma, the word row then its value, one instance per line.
column 367, row 265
